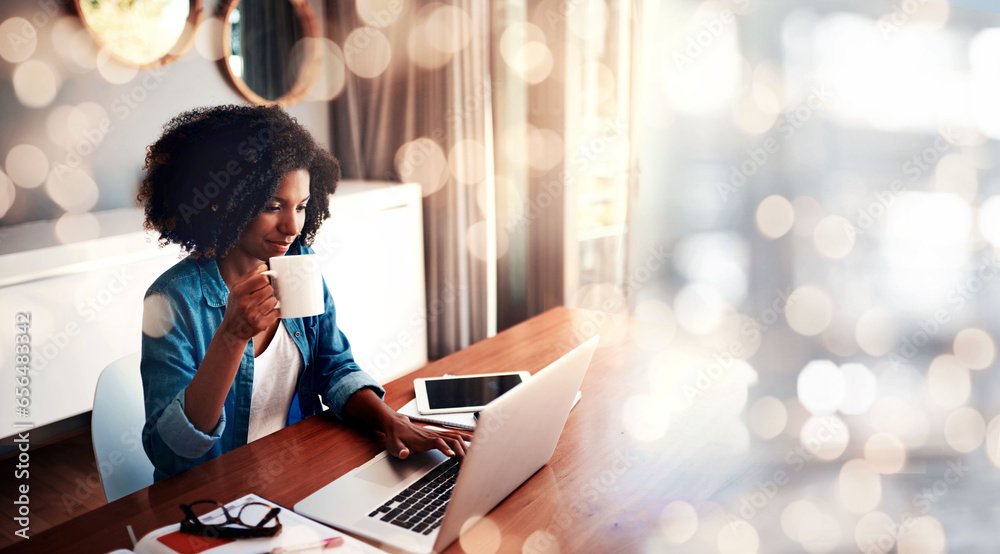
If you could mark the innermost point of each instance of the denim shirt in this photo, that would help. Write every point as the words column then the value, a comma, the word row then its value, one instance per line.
column 182, row 310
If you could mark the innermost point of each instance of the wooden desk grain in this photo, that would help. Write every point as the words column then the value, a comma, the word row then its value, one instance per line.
column 603, row 490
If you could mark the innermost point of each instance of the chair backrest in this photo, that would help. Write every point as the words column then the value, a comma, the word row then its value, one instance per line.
column 116, row 426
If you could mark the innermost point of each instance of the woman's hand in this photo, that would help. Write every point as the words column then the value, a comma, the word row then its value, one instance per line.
column 251, row 307
column 403, row 437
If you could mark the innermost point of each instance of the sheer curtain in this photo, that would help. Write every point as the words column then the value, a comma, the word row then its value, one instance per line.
column 416, row 108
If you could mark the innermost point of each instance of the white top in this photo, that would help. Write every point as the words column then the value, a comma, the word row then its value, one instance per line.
column 275, row 374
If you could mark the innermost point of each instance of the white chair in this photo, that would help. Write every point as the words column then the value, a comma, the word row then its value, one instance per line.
column 116, row 427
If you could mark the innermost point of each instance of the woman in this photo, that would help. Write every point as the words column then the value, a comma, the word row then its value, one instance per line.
column 234, row 186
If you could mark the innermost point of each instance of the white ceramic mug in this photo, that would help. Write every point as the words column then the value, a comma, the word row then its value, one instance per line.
column 298, row 285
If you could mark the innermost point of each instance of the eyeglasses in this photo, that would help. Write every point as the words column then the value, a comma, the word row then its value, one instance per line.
column 254, row 519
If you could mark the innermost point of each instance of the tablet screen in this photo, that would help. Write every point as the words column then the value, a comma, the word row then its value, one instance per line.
column 468, row 392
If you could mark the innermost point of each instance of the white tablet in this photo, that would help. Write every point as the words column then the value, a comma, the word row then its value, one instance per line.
column 463, row 393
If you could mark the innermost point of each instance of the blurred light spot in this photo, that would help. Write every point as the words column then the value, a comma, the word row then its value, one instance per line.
column 72, row 228
column 18, row 40
column 989, row 220
column 449, row 29
column 479, row 536
column 751, row 118
column 993, row 441
column 699, row 308
column 738, row 537
column 7, row 193
column 603, row 80
column 955, row 173
column 860, row 486
column 826, row 540
column 72, row 189
column 679, row 522
column 588, row 20
column 718, row 259
column 63, row 36
column 808, row 213
column 541, row 542
column 764, row 95
column 876, row 332
column 332, row 71
column 809, row 310
column 644, row 419
column 420, row 51
column 775, row 216
column 802, row 520
column 707, row 84
column 948, row 383
column 737, row 334
column 925, row 245
column 533, row 62
column 822, row 387
column 923, row 535
column 975, row 348
column 838, row 337
column 515, row 37
column 825, row 436
column 35, row 83
column 84, row 50
column 477, row 238
column 861, row 389
column 545, row 149
column 797, row 417
column 27, row 165
column 885, row 453
column 62, row 123
column 965, row 429
column 208, row 39
column 114, row 71
column 729, row 437
column 380, row 13
column 873, row 533
column 894, row 415
column 422, row 161
column 367, row 52
column 767, row 417
column 832, row 237
column 655, row 327
column 467, row 160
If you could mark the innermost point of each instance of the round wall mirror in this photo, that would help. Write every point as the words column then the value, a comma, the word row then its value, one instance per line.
column 271, row 49
column 144, row 33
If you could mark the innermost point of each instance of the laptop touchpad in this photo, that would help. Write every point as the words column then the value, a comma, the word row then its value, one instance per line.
column 390, row 471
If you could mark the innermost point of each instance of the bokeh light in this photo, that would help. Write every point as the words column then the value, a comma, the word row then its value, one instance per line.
column 975, row 348
column 832, row 237
column 767, row 417
column 72, row 189
column 825, row 436
column 367, row 52
column 35, row 83
column 822, row 387
column 477, row 238
column 588, row 20
column 872, row 533
column 114, row 71
column 948, row 381
column 80, row 227
column 859, row 486
column 808, row 213
column 956, row 174
column 422, row 161
column 644, row 419
column 515, row 36
column 839, row 336
column 809, row 310
column 8, row 193
column 467, row 161
column 876, row 332
column 923, row 535
column 802, row 520
column 448, row 28
column 480, row 536
column 657, row 325
column 544, row 148
column 27, row 166
column 699, row 308
column 738, row 537
column 965, row 429
column 380, row 13
column 678, row 522
column 775, row 216
column 332, row 71
column 18, row 40
column 885, row 453
column 533, row 62
column 208, row 39
column 861, row 389
column 891, row 414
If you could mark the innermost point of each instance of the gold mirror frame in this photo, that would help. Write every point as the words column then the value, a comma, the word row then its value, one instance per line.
column 179, row 48
column 310, row 62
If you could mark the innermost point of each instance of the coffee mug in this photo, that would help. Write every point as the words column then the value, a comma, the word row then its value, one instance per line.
column 298, row 285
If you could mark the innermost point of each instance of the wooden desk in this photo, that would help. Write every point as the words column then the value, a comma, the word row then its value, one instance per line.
column 603, row 490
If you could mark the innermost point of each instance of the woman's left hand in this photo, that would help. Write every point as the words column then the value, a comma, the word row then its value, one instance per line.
column 403, row 437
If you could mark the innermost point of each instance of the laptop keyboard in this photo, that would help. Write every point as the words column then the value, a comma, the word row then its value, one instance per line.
column 421, row 506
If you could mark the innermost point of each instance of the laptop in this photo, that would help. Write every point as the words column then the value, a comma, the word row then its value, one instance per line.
column 422, row 504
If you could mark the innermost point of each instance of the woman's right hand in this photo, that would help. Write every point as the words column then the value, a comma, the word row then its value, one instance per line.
column 251, row 307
